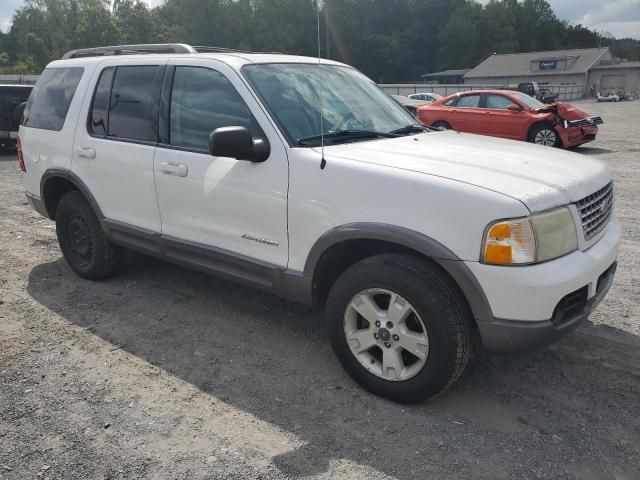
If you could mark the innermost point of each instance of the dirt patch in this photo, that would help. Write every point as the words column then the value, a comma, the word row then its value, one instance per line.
column 166, row 373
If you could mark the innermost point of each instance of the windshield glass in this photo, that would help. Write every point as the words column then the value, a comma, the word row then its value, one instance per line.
column 529, row 101
column 295, row 93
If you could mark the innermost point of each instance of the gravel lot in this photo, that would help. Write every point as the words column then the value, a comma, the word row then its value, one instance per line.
column 166, row 373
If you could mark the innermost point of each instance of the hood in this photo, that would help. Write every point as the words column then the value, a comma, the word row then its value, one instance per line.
column 540, row 177
column 566, row 111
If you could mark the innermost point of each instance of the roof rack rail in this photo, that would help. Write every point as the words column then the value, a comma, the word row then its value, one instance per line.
column 205, row 48
column 148, row 48
column 130, row 50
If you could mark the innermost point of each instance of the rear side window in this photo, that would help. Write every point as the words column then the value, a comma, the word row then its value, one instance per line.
column 201, row 101
column 125, row 103
column 50, row 100
column 132, row 103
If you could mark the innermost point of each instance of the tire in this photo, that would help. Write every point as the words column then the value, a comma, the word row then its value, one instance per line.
column 83, row 243
column 544, row 134
column 441, row 125
column 437, row 307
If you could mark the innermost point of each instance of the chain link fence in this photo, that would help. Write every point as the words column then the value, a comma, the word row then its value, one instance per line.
column 13, row 79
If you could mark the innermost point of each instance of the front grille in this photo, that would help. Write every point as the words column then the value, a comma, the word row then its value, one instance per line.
column 586, row 122
column 595, row 211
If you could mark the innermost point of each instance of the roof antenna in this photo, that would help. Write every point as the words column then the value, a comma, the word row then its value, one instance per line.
column 323, row 162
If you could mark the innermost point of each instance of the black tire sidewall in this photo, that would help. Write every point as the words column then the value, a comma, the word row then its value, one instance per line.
column 441, row 125
column 418, row 291
column 73, row 203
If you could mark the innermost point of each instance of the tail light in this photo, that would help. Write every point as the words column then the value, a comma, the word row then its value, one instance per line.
column 20, row 157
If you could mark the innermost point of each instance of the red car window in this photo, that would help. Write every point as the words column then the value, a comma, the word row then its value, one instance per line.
column 468, row 101
column 498, row 102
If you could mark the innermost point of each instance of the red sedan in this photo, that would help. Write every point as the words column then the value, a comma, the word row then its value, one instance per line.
column 511, row 114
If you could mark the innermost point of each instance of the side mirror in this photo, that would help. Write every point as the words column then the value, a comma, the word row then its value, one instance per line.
column 514, row 108
column 236, row 142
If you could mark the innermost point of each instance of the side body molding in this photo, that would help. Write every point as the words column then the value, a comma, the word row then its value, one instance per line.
column 294, row 285
column 418, row 242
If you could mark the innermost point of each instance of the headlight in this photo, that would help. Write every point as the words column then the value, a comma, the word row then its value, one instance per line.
column 537, row 238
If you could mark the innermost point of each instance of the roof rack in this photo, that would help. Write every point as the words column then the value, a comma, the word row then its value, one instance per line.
column 147, row 48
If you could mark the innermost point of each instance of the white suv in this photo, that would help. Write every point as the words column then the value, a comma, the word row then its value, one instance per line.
column 304, row 179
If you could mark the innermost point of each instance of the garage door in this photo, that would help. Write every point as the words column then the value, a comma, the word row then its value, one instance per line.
column 613, row 82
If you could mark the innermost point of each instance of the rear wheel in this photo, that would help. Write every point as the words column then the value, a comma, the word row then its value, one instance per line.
column 441, row 125
column 399, row 326
column 544, row 134
column 83, row 243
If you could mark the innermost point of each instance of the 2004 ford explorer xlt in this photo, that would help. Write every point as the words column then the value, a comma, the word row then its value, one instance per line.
column 414, row 240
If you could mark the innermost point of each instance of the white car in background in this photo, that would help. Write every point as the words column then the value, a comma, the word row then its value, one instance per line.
column 612, row 97
column 426, row 97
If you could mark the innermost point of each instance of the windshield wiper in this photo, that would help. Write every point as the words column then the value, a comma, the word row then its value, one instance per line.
column 413, row 128
column 347, row 134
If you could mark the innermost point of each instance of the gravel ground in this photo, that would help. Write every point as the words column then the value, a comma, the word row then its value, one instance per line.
column 166, row 373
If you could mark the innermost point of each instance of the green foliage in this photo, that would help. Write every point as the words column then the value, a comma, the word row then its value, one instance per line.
column 390, row 40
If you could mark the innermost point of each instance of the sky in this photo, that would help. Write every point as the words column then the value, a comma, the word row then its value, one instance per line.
column 621, row 18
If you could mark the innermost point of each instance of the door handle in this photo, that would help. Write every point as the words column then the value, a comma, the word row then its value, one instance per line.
column 177, row 169
column 86, row 152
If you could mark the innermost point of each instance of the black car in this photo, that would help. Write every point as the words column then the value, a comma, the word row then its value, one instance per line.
column 13, row 99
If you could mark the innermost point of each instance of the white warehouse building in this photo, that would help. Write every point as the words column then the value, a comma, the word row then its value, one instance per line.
column 581, row 71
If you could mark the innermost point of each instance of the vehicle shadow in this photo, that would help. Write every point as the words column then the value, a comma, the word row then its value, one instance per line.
column 591, row 150
column 272, row 360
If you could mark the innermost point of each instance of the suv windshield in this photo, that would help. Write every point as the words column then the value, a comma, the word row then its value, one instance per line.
column 295, row 93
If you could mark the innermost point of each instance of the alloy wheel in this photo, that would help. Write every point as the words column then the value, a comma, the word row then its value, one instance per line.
column 386, row 335
column 546, row 137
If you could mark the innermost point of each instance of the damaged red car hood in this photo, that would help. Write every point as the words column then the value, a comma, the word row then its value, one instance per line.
column 564, row 110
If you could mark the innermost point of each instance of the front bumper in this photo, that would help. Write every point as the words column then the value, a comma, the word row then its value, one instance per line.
column 574, row 136
column 512, row 336
column 526, row 301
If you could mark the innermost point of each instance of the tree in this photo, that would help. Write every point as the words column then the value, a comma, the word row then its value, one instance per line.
column 389, row 40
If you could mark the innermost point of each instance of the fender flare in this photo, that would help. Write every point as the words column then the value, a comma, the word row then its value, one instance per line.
column 76, row 181
column 413, row 240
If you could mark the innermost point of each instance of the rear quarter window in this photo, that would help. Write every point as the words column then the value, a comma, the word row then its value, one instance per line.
column 50, row 100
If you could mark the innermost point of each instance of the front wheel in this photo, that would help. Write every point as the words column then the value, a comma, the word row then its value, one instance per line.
column 399, row 326
column 545, row 135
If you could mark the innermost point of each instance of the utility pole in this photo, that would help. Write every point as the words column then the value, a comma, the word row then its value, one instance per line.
column 327, row 42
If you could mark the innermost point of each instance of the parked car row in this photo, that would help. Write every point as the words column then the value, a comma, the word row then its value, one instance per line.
column 514, row 115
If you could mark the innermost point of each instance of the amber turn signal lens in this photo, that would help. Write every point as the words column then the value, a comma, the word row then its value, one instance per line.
column 498, row 254
column 510, row 242
column 500, row 230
